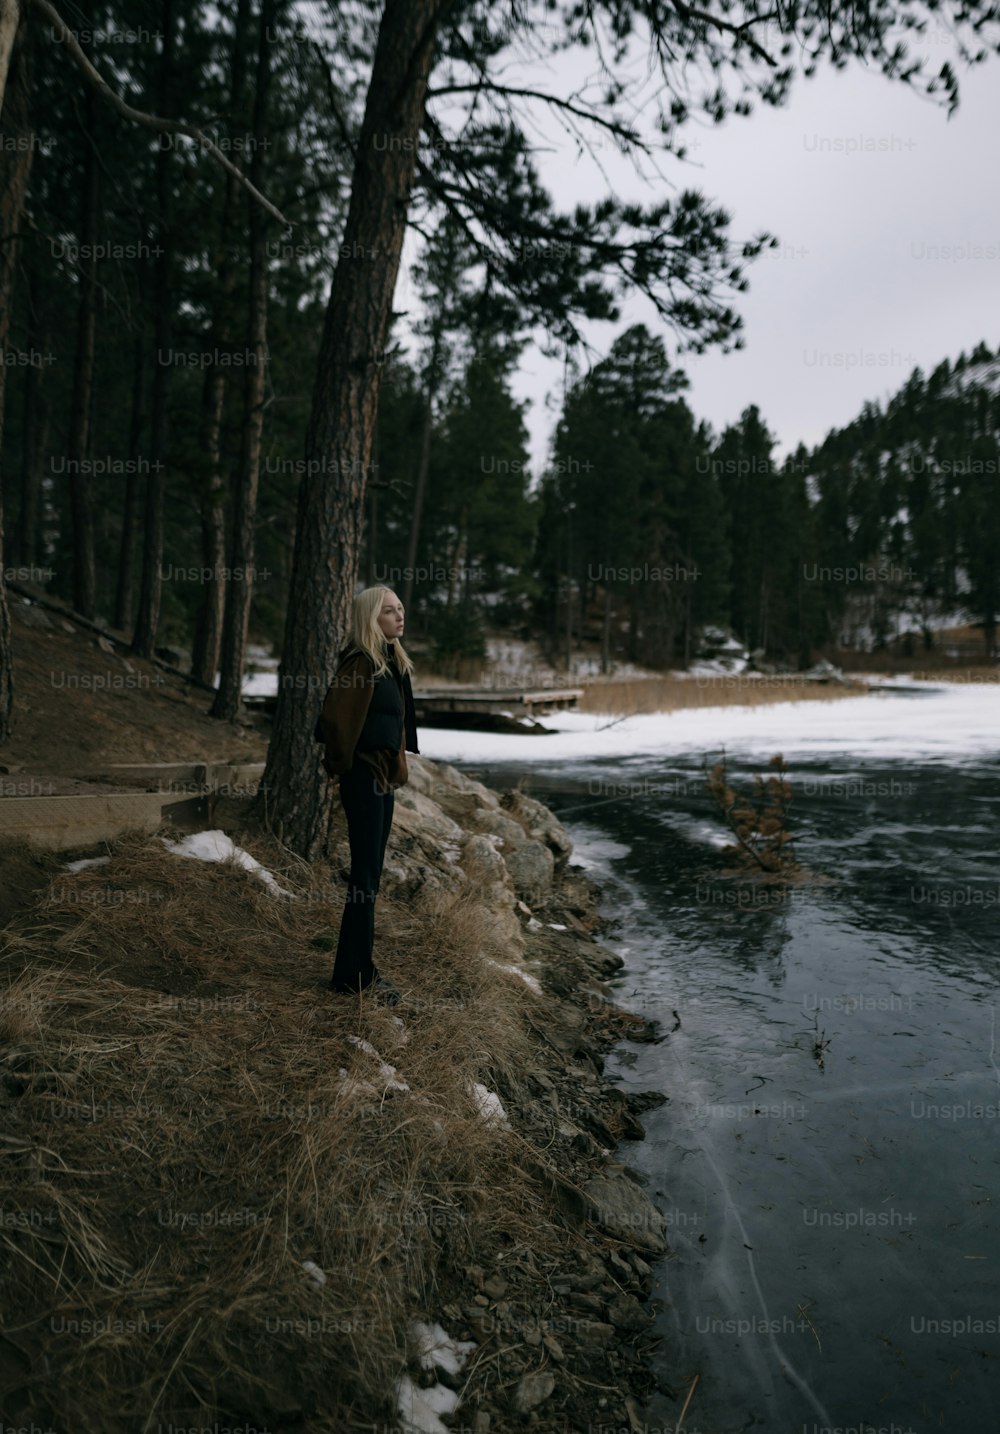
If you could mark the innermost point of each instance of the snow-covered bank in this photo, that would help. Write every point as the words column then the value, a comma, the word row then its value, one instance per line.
column 933, row 722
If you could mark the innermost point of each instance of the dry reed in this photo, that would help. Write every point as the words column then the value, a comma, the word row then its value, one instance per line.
column 627, row 697
column 180, row 1140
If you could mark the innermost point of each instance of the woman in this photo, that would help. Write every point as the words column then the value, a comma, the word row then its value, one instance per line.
column 367, row 725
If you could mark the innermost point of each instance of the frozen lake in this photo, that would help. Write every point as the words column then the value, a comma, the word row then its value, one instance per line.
column 833, row 1226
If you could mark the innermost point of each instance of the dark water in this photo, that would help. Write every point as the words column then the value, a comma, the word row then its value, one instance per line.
column 833, row 1225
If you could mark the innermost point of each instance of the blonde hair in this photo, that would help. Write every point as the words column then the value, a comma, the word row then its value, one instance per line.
column 369, row 637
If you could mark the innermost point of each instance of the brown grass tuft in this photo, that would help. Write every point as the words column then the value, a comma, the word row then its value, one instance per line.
column 180, row 1140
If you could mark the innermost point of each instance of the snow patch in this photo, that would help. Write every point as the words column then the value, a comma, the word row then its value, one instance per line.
column 87, row 861
column 314, row 1272
column 524, row 976
column 958, row 720
column 419, row 1408
column 437, row 1350
column 489, row 1105
column 216, row 846
column 386, row 1071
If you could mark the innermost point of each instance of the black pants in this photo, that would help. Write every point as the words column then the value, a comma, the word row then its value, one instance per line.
column 369, row 817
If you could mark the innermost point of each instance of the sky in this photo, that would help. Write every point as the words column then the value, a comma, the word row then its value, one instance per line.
column 889, row 227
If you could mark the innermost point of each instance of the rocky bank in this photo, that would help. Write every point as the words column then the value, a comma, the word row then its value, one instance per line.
column 573, row 1342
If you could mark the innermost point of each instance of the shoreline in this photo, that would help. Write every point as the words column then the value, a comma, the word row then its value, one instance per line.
column 196, row 1125
column 594, row 1334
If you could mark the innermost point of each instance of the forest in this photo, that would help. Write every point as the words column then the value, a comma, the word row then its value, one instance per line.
column 216, row 425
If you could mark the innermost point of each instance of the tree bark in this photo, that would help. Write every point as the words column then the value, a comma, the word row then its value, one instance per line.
column 133, row 492
column 425, row 460
column 211, row 610
column 239, row 588
column 294, row 794
column 148, row 619
column 15, row 126
column 10, row 20
column 606, row 633
column 35, row 420
column 81, row 484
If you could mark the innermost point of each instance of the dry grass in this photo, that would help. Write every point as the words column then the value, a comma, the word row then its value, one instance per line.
column 179, row 1140
column 671, row 694
column 974, row 675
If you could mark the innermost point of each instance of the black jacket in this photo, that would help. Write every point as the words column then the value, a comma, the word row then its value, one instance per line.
column 369, row 716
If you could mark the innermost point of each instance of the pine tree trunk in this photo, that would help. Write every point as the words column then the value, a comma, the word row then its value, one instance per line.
column 133, row 492
column 294, row 793
column 15, row 128
column 632, row 641
column 370, row 579
column 211, row 610
column 10, row 19
column 35, row 427
column 150, row 591
column 606, row 633
column 239, row 588
column 81, row 483
column 424, row 464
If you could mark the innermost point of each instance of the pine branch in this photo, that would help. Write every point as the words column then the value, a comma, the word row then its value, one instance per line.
column 154, row 122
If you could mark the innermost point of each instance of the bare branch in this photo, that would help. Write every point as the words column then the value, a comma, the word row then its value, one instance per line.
column 740, row 31
column 148, row 121
column 620, row 131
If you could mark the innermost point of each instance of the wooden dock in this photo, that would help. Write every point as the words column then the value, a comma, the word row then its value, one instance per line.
column 498, row 701
column 473, row 702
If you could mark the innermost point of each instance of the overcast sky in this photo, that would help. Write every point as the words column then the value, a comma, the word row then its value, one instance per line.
column 889, row 224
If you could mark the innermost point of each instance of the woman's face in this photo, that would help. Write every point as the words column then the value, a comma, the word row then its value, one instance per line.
column 390, row 619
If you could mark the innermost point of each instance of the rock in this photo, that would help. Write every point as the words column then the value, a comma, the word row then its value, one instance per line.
column 495, row 1287
column 33, row 616
column 424, row 816
column 540, row 824
column 626, row 1313
column 591, row 1331
column 480, row 1322
column 406, row 877
column 533, row 1390
column 485, row 869
column 619, row 1267
column 624, row 1210
column 554, row 1347
column 530, row 864
column 454, row 792
column 640, row 1100
column 532, row 1337
column 571, row 1201
column 639, row 1265
column 593, row 1304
